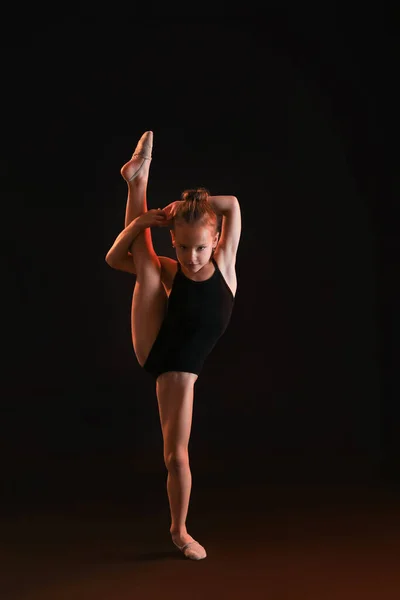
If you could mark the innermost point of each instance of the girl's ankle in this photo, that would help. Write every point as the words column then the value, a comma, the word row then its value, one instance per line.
column 181, row 531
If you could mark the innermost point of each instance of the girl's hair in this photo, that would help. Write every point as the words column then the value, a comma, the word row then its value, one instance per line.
column 195, row 208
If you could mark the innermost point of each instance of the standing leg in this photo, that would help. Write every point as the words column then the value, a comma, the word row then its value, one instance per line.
column 149, row 298
column 175, row 401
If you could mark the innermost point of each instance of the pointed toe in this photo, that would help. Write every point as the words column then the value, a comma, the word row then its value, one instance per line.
column 144, row 146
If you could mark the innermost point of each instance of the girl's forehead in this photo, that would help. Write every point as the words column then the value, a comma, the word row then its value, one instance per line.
column 197, row 233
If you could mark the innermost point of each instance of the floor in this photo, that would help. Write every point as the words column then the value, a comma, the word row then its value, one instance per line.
column 275, row 542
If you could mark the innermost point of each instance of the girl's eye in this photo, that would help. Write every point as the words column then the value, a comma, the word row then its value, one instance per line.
column 200, row 247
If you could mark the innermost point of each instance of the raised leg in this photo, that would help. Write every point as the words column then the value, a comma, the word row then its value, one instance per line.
column 175, row 391
column 149, row 299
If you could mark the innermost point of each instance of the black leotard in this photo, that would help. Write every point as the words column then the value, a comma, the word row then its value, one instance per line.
column 198, row 314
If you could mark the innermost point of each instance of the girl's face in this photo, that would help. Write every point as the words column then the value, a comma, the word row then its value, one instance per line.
column 194, row 245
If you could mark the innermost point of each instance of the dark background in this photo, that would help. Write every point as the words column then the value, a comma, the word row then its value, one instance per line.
column 293, row 113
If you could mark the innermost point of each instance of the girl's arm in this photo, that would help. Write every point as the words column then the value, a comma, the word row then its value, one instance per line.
column 118, row 255
column 222, row 204
column 231, row 227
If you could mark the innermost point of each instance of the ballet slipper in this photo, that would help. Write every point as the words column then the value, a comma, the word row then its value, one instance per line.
column 143, row 150
column 144, row 145
column 195, row 552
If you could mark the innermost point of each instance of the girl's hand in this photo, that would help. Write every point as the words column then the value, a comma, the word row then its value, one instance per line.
column 171, row 209
column 152, row 218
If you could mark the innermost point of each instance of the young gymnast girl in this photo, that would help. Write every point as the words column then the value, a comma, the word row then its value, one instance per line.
column 180, row 308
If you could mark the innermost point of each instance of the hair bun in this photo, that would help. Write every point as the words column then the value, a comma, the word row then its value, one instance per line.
column 195, row 208
column 196, row 195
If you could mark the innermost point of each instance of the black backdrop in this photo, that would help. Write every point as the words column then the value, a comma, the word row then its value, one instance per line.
column 292, row 113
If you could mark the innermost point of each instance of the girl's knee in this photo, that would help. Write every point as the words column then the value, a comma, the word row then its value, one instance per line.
column 176, row 460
